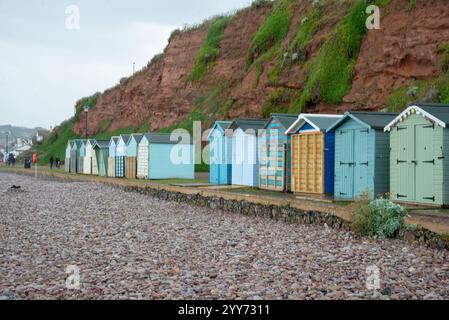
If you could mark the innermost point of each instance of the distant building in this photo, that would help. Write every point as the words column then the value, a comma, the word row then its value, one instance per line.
column 39, row 138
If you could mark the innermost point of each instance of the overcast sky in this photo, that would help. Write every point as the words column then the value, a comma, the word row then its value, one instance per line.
column 45, row 66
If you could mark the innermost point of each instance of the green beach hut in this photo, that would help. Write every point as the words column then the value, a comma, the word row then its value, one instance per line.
column 419, row 156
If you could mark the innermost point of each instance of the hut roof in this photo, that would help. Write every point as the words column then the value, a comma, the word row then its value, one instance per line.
column 125, row 138
column 248, row 124
column 164, row 138
column 285, row 119
column 137, row 136
column 373, row 120
column 436, row 112
column 320, row 122
column 102, row 144
column 223, row 125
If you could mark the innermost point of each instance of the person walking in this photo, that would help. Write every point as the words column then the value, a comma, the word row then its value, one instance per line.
column 10, row 160
column 58, row 163
column 52, row 160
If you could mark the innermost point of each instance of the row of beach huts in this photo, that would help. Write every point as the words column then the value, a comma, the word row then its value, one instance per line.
column 144, row 156
column 405, row 156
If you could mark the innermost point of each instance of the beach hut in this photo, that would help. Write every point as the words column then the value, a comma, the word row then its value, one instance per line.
column 220, row 154
column 89, row 150
column 101, row 151
column 68, row 149
column 73, row 156
column 94, row 160
column 419, row 158
column 111, row 159
column 274, row 153
column 362, row 154
column 81, row 153
column 313, row 154
column 131, row 156
column 120, row 155
column 245, row 164
column 161, row 157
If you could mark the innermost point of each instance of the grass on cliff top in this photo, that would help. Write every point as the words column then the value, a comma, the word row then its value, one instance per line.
column 210, row 49
column 330, row 73
column 273, row 30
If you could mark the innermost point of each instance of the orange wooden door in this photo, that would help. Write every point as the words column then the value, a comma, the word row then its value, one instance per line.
column 309, row 163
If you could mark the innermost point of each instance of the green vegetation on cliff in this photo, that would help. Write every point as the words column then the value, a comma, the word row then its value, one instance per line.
column 431, row 90
column 272, row 32
column 330, row 73
column 210, row 50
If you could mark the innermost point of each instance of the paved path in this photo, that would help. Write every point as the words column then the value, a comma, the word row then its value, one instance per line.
column 132, row 246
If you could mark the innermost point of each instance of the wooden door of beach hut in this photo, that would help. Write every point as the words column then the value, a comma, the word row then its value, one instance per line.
column 313, row 153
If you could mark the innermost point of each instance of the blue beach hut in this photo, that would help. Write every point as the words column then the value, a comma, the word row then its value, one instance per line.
column 362, row 154
column 245, row 159
column 161, row 156
column 111, row 159
column 220, row 154
column 131, row 156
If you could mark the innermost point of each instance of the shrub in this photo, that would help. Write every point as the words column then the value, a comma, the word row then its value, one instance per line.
column 380, row 217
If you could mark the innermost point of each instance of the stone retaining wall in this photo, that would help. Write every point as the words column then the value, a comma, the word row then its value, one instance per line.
column 286, row 214
column 279, row 213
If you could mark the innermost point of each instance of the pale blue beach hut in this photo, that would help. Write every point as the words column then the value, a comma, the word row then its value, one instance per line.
column 362, row 154
column 245, row 158
column 131, row 155
column 161, row 156
column 111, row 159
column 220, row 154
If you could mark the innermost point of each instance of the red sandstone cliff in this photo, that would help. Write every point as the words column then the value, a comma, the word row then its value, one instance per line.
column 404, row 49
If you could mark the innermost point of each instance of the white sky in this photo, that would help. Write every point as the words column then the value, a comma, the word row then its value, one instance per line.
column 45, row 67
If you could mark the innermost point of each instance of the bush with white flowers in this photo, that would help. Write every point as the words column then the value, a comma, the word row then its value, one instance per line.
column 380, row 217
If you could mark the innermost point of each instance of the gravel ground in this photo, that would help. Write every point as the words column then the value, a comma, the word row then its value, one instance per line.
column 130, row 246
